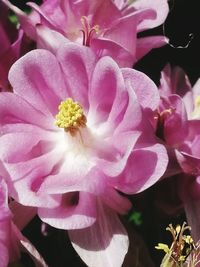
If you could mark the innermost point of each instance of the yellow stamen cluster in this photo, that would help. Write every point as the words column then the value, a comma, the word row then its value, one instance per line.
column 181, row 247
column 70, row 116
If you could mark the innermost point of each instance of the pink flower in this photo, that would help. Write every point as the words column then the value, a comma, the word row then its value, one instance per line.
column 180, row 114
column 73, row 165
column 108, row 27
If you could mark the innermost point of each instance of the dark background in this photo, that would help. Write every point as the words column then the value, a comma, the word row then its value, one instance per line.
column 182, row 27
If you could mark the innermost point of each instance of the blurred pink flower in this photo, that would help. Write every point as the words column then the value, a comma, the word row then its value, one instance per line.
column 74, row 171
column 9, row 245
column 180, row 110
column 108, row 27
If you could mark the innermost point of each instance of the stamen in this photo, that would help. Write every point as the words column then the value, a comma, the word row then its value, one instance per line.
column 70, row 116
column 181, row 247
column 87, row 31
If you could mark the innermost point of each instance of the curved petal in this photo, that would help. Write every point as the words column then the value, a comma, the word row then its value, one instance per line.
column 124, row 30
column 95, row 182
column 176, row 127
column 15, row 110
column 27, row 177
column 26, row 244
column 106, row 78
column 37, row 78
column 146, row 44
column 22, row 215
column 159, row 6
column 113, row 167
column 192, row 210
column 138, row 175
column 189, row 163
column 144, row 88
column 77, row 63
column 105, row 243
column 22, row 146
column 105, row 47
column 69, row 214
column 49, row 39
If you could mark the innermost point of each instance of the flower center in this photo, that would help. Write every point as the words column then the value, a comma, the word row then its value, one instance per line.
column 87, row 31
column 70, row 116
column 161, row 117
column 196, row 112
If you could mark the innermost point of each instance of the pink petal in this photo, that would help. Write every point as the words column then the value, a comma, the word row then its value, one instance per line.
column 189, row 163
column 174, row 81
column 113, row 167
column 37, row 78
column 71, row 215
column 29, row 248
column 77, row 63
column 146, row 44
column 95, row 182
column 144, row 88
column 22, row 215
column 4, row 257
column 176, row 128
column 106, row 8
column 14, row 110
column 105, row 243
column 132, row 107
column 192, row 210
column 27, row 177
column 106, row 78
column 105, row 47
column 139, row 176
column 49, row 39
column 124, row 30
column 159, row 6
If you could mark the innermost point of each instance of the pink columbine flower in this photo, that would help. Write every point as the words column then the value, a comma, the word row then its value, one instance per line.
column 180, row 124
column 108, row 27
column 73, row 136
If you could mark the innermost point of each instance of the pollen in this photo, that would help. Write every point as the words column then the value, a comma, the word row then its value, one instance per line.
column 70, row 116
column 88, row 31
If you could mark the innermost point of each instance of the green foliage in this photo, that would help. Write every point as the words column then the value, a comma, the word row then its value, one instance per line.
column 136, row 218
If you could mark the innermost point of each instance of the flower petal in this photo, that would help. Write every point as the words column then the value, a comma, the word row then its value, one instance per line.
column 70, row 215
column 106, row 78
column 77, row 63
column 105, row 47
column 15, row 110
column 105, row 243
column 37, row 78
column 144, row 168
column 144, row 88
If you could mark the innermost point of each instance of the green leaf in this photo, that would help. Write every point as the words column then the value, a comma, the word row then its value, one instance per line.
column 135, row 218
